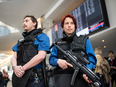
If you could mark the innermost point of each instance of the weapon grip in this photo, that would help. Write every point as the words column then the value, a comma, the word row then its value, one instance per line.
column 44, row 72
column 74, row 76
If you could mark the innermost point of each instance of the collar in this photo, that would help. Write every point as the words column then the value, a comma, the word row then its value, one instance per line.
column 28, row 33
column 110, row 59
column 67, row 38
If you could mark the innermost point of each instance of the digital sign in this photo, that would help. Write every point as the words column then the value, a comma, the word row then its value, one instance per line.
column 91, row 17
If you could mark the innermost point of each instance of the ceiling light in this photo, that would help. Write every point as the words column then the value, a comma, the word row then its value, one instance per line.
column 6, row 59
column 39, row 20
column 12, row 30
column 102, row 40
column 53, row 8
column 2, row 1
column 104, row 46
column 2, row 55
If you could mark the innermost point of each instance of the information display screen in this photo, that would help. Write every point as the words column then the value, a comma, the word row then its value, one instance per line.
column 91, row 16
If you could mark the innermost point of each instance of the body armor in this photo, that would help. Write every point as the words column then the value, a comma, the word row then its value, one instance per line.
column 74, row 44
column 26, row 51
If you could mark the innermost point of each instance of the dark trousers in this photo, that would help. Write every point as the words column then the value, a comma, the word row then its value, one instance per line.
column 1, row 83
column 64, row 80
column 101, row 80
column 106, row 85
column 31, row 83
column 113, row 79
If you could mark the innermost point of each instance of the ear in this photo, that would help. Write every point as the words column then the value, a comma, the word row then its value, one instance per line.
column 34, row 23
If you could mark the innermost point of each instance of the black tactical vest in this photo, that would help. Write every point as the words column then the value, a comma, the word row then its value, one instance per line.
column 26, row 51
column 74, row 44
column 26, row 48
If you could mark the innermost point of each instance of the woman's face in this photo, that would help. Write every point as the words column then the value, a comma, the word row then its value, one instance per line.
column 69, row 26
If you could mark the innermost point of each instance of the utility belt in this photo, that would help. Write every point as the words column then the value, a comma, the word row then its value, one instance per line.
column 36, row 74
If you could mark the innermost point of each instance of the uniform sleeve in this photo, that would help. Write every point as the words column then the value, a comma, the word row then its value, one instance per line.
column 15, row 47
column 53, row 57
column 90, row 54
column 42, row 42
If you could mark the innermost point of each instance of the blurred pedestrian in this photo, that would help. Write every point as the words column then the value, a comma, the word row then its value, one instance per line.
column 5, row 78
column 1, row 79
column 112, row 63
column 102, row 68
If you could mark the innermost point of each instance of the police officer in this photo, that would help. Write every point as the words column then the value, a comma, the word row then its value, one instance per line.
column 29, row 53
column 76, row 44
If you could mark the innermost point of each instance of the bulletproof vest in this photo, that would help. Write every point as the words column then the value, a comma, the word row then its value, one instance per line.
column 26, row 49
column 77, row 46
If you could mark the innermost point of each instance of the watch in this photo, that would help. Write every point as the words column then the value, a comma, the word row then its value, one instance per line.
column 13, row 67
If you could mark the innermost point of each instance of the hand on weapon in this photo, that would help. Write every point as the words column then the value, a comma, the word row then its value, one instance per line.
column 86, row 78
column 63, row 64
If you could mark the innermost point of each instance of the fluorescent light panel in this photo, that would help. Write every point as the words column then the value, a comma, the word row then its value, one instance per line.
column 53, row 8
column 12, row 30
column 6, row 59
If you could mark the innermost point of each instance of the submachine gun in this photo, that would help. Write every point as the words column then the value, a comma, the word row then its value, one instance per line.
column 77, row 65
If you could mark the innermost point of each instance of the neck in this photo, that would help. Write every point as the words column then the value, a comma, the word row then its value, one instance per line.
column 29, row 30
column 69, row 35
column 111, row 57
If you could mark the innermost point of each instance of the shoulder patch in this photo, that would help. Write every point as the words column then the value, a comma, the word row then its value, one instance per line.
column 21, row 40
column 61, row 42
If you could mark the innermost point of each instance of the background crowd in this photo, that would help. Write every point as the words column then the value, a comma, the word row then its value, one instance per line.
column 4, row 78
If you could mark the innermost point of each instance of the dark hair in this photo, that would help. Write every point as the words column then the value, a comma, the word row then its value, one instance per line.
column 33, row 19
column 111, row 52
column 71, row 16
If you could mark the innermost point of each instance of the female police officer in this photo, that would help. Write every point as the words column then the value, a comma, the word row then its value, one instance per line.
column 70, row 41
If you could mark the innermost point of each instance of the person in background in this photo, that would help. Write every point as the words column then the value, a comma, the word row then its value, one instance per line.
column 29, row 53
column 5, row 78
column 1, row 79
column 102, row 68
column 112, row 63
column 76, row 44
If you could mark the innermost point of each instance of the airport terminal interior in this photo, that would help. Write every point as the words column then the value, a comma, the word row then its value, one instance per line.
column 95, row 18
